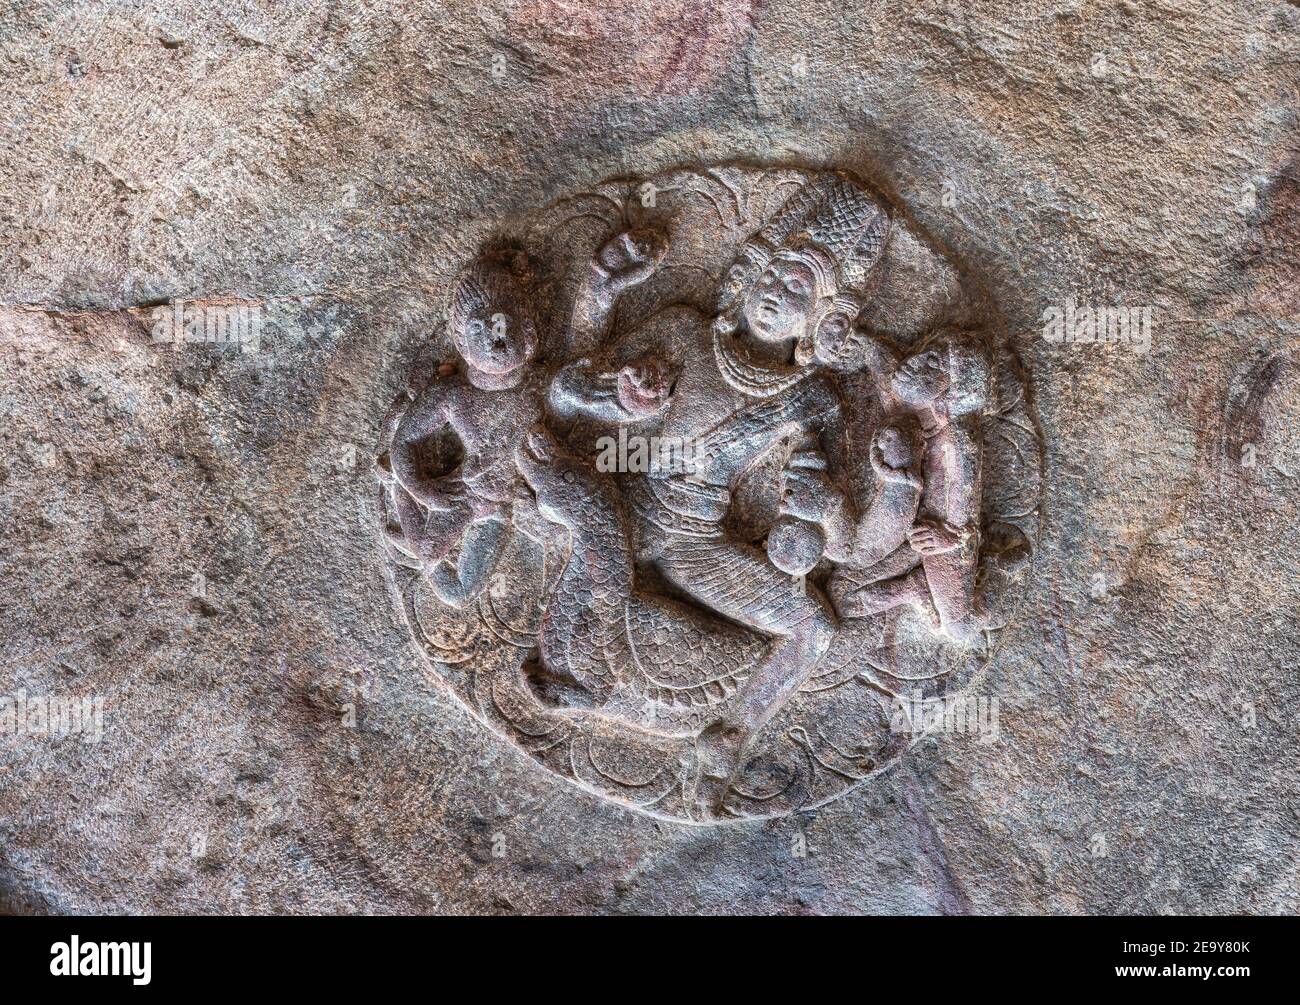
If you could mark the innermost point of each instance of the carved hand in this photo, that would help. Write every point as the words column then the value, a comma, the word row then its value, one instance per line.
column 628, row 259
column 644, row 386
column 447, row 492
column 933, row 537
column 808, row 494
column 903, row 474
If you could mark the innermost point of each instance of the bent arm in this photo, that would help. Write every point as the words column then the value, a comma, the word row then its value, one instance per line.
column 424, row 416
column 626, row 260
column 585, row 388
column 880, row 358
column 593, row 306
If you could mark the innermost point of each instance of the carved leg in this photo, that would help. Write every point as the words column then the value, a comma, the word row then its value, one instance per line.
column 951, row 580
column 859, row 593
column 910, row 590
column 395, row 544
column 460, row 583
column 427, row 534
column 738, row 582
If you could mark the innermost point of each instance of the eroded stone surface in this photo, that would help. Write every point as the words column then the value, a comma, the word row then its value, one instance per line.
column 337, row 169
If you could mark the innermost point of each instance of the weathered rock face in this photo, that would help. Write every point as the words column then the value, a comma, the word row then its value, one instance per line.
column 189, row 529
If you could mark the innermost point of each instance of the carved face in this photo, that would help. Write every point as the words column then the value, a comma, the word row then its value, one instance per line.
column 777, row 307
column 923, row 378
column 631, row 248
column 497, row 337
column 833, row 343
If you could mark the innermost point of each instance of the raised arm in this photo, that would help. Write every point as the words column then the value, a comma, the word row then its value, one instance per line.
column 626, row 260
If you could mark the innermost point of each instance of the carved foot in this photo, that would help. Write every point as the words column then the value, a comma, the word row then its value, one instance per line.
column 534, row 455
column 717, row 758
column 542, row 444
column 908, row 590
column 536, row 451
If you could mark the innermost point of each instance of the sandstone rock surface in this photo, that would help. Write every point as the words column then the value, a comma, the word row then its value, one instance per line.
column 187, row 530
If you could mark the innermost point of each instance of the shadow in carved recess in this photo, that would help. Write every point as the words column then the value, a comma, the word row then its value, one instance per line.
column 732, row 471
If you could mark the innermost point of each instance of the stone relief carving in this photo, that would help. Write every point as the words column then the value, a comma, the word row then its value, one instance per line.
column 732, row 464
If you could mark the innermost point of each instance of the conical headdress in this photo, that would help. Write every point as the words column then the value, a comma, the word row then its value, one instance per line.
column 838, row 218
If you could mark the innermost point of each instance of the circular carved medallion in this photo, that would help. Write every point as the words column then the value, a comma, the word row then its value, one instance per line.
column 733, row 484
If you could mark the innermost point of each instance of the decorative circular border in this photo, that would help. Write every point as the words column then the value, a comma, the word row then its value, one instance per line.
column 858, row 713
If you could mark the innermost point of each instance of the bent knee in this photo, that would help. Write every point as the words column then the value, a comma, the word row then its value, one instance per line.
column 816, row 627
column 841, row 586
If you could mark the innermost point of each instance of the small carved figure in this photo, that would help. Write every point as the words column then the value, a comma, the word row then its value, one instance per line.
column 490, row 406
column 944, row 386
column 487, row 407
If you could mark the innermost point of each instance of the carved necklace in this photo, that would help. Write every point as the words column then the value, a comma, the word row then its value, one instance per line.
column 749, row 376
